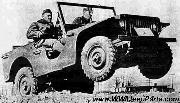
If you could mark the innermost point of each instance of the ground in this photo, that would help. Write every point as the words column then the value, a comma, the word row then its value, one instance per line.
column 67, row 97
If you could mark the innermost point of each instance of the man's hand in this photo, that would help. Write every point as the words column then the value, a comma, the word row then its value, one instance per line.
column 58, row 25
column 39, row 34
column 39, row 43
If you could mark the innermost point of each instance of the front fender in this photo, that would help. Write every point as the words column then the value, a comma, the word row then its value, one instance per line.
column 109, row 28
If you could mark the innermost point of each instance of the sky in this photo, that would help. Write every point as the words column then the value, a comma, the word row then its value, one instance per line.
column 17, row 15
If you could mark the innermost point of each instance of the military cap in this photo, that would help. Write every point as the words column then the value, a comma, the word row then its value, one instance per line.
column 88, row 9
column 47, row 11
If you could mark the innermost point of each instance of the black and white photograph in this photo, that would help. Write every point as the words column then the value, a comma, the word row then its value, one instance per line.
column 90, row 51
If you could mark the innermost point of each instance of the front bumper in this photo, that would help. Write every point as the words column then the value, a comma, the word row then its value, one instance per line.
column 144, row 38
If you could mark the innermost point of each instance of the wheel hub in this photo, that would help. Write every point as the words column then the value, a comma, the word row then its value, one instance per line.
column 97, row 58
column 25, row 87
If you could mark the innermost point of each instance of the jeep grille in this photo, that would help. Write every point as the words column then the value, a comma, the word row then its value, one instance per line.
column 129, row 22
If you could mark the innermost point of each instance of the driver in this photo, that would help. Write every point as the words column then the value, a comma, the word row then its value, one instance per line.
column 43, row 32
column 86, row 18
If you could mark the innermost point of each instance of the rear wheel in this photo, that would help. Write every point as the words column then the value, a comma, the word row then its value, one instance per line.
column 25, row 83
column 158, row 63
column 97, row 58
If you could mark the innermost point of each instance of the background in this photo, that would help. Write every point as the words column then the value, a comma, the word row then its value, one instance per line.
column 17, row 15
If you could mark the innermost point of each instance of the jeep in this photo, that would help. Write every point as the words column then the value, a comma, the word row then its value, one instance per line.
column 109, row 43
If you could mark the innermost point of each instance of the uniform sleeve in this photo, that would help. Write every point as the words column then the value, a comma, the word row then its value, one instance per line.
column 33, row 31
column 77, row 20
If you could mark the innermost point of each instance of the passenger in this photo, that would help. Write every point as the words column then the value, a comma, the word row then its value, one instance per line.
column 86, row 18
column 44, row 33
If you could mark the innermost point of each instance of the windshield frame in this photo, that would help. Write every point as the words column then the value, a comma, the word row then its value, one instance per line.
column 81, row 5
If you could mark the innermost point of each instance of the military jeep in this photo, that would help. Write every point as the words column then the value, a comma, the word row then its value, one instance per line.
column 108, row 43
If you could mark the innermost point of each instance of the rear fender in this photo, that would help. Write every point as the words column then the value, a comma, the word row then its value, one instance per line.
column 16, row 66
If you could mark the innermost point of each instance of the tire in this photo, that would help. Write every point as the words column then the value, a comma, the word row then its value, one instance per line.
column 97, row 58
column 157, row 67
column 25, row 83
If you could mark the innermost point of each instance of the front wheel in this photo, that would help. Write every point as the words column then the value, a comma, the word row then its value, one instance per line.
column 156, row 66
column 97, row 58
column 25, row 83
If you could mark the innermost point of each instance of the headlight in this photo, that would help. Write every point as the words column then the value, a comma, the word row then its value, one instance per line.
column 122, row 23
column 154, row 26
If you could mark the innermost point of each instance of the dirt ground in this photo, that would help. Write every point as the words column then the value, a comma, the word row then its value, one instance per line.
column 67, row 97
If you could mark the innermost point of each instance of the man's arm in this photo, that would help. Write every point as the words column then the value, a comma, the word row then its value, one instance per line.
column 33, row 31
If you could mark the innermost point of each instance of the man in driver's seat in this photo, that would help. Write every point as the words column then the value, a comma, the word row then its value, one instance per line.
column 86, row 18
column 44, row 33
